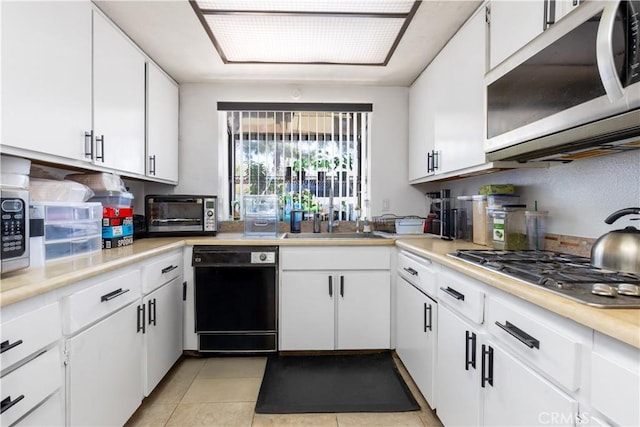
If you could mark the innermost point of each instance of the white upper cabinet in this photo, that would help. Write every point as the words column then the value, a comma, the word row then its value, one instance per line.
column 162, row 125
column 421, row 113
column 446, row 105
column 513, row 24
column 46, row 77
column 118, row 99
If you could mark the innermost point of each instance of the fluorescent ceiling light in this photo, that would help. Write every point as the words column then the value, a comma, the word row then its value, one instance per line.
column 354, row 32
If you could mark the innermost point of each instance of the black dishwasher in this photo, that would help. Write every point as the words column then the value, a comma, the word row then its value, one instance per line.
column 236, row 298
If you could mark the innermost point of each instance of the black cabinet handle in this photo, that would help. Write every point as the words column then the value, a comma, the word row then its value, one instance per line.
column 470, row 344
column 100, row 139
column 5, row 346
column 487, row 365
column 141, row 317
column 436, row 160
column 114, row 294
column 519, row 334
column 331, row 286
column 88, row 137
column 549, row 15
column 152, row 313
column 428, row 308
column 411, row 271
column 8, row 403
column 342, row 286
column 184, row 291
column 429, row 162
column 457, row 295
column 168, row 269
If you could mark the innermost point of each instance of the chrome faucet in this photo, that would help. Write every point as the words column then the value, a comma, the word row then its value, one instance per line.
column 331, row 223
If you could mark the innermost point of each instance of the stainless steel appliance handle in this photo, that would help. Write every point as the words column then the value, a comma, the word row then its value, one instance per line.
column 604, row 52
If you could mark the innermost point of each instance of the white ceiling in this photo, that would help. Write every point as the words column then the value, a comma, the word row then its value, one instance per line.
column 171, row 34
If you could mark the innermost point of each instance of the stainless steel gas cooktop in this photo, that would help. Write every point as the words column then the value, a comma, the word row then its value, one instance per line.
column 567, row 275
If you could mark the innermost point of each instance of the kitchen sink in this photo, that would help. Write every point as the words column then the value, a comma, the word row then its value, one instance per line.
column 332, row 236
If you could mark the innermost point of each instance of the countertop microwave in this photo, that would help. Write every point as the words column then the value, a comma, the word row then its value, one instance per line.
column 572, row 90
column 181, row 214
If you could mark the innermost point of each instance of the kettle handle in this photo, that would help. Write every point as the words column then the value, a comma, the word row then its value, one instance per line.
column 622, row 212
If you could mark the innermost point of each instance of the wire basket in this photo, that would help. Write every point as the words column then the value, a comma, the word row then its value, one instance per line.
column 385, row 223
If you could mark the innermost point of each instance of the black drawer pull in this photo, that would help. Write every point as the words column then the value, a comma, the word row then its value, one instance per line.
column 168, row 269
column 4, row 345
column 8, row 403
column 487, row 365
column 457, row 295
column 114, row 294
column 411, row 271
column 519, row 334
column 331, row 286
column 342, row 286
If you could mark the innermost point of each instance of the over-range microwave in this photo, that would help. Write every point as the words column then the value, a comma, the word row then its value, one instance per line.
column 181, row 214
column 572, row 92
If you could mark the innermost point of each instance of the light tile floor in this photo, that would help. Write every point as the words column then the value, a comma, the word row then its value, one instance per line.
column 222, row 391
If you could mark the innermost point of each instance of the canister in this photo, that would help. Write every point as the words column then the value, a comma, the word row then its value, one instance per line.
column 479, row 215
column 296, row 220
column 509, row 228
column 464, row 230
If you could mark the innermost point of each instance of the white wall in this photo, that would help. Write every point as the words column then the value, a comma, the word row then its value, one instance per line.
column 578, row 195
column 199, row 133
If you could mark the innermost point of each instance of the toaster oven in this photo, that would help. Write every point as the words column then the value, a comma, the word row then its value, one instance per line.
column 181, row 214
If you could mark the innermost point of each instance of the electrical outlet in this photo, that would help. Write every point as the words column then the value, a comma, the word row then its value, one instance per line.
column 385, row 205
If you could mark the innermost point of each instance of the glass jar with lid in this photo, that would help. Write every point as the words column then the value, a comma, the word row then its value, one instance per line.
column 509, row 231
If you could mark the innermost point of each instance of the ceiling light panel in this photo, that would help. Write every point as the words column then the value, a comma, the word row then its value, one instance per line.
column 304, row 39
column 333, row 6
column 353, row 32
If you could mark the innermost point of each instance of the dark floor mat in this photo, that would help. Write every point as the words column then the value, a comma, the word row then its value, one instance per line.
column 333, row 383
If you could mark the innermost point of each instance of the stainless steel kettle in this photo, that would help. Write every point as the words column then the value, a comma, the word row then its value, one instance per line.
column 618, row 250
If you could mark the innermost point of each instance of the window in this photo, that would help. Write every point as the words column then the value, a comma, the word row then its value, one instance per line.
column 303, row 156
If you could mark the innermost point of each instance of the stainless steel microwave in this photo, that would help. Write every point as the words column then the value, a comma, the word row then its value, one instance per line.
column 574, row 89
column 14, row 207
column 181, row 214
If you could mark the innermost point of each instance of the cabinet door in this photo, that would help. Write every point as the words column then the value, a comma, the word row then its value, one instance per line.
column 46, row 77
column 307, row 310
column 421, row 112
column 458, row 123
column 162, row 125
column 458, row 377
column 416, row 332
column 513, row 24
column 118, row 99
column 103, row 371
column 364, row 310
column 521, row 397
column 163, row 332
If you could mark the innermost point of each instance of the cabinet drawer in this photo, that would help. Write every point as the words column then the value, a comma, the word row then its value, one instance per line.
column 30, row 384
column 420, row 271
column 160, row 271
column 29, row 333
column 547, row 347
column 335, row 258
column 95, row 302
column 461, row 294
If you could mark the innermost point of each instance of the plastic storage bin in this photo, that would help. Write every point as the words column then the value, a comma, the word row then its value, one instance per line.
column 499, row 200
column 410, row 225
column 99, row 182
column 116, row 199
column 69, row 228
column 261, row 216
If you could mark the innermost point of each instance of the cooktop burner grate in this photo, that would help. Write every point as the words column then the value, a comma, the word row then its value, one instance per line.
column 571, row 276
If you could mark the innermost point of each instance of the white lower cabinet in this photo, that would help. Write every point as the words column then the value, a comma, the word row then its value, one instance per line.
column 458, row 374
column 103, row 322
column 162, row 332
column 325, row 306
column 518, row 396
column 416, row 336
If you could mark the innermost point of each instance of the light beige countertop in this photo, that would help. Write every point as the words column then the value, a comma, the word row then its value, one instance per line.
column 622, row 324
